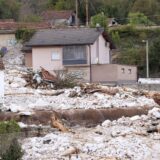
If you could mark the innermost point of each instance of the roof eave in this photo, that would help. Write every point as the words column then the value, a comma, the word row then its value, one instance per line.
column 48, row 45
column 5, row 31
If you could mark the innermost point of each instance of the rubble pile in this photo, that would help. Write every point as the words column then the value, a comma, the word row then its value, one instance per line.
column 134, row 138
column 122, row 139
column 14, row 58
column 19, row 96
column 23, row 99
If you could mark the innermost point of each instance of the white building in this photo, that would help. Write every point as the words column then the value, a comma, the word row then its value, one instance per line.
column 1, row 82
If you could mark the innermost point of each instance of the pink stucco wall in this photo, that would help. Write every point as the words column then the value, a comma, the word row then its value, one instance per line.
column 101, row 56
column 114, row 73
column 42, row 56
column 28, row 59
column 127, row 72
column 104, row 73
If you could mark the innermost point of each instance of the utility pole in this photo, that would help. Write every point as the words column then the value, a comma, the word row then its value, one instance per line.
column 87, row 14
column 147, row 57
column 76, row 12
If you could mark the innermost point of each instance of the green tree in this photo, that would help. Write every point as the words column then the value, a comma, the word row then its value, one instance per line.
column 9, row 9
column 116, row 37
column 51, row 3
column 64, row 5
column 154, row 56
column 138, row 18
column 100, row 19
column 151, row 8
column 116, row 9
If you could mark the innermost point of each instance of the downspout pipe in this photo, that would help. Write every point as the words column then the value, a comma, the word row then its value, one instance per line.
column 90, row 63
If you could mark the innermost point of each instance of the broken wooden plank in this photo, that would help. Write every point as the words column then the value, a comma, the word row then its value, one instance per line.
column 57, row 123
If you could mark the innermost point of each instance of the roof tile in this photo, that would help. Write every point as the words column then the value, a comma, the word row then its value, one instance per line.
column 67, row 36
column 50, row 15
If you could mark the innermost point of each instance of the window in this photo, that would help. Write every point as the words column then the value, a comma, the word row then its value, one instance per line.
column 55, row 56
column 123, row 70
column 74, row 55
column 129, row 71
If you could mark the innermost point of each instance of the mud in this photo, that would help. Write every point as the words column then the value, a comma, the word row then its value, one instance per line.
column 72, row 117
column 92, row 117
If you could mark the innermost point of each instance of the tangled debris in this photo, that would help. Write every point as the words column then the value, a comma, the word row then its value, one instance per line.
column 93, row 88
column 45, row 80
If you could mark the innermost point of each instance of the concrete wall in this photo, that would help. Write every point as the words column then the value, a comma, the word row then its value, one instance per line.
column 112, row 73
column 127, row 73
column 7, row 40
column 104, row 73
column 1, row 87
column 42, row 56
column 100, row 52
column 28, row 59
column 81, row 72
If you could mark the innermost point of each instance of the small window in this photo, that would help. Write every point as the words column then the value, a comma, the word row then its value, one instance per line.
column 123, row 70
column 129, row 71
column 55, row 56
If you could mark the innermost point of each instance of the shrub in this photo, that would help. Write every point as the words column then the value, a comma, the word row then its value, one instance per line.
column 24, row 34
column 65, row 80
column 9, row 127
column 14, row 152
column 138, row 18
column 9, row 146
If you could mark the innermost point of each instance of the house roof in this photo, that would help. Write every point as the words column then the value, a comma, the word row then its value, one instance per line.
column 1, row 64
column 7, row 31
column 50, row 14
column 12, row 25
column 67, row 36
column 8, row 25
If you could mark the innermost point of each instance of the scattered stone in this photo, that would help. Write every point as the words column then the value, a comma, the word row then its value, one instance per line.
column 47, row 141
column 155, row 113
column 135, row 118
column 72, row 94
column 106, row 123
column 70, row 151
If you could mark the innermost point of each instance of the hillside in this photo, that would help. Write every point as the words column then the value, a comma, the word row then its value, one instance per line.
column 18, row 9
column 131, row 49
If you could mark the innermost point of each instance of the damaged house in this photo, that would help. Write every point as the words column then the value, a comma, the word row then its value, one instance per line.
column 66, row 17
column 85, row 52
